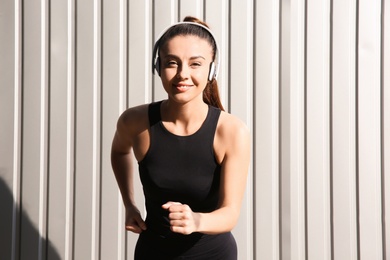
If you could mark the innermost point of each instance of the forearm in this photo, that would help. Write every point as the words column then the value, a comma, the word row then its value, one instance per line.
column 219, row 221
column 122, row 165
column 123, row 170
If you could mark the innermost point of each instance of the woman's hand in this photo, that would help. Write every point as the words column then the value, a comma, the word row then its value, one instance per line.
column 134, row 221
column 181, row 218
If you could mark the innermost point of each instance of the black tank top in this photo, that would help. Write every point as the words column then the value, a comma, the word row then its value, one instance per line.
column 179, row 168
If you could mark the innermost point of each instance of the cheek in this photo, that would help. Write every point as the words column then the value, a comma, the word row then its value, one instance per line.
column 202, row 75
column 167, row 75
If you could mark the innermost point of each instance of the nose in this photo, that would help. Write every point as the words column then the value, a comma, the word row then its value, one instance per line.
column 183, row 72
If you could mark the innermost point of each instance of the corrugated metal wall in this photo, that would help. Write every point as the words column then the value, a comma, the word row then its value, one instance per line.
column 311, row 78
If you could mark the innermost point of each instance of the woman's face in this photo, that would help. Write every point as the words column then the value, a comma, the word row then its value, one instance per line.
column 185, row 64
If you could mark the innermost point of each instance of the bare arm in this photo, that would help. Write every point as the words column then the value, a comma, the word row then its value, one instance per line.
column 234, row 171
column 122, row 165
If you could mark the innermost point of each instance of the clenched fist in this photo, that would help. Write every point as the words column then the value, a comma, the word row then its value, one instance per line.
column 181, row 218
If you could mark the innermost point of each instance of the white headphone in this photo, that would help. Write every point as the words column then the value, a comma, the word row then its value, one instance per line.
column 214, row 67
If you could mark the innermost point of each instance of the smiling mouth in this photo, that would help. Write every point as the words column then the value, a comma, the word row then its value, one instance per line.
column 182, row 87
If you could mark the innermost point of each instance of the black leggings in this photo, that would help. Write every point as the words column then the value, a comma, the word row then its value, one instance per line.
column 194, row 247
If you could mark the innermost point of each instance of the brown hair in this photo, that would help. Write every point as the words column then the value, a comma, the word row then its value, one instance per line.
column 211, row 92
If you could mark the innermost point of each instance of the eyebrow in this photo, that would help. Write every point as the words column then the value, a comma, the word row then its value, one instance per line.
column 192, row 58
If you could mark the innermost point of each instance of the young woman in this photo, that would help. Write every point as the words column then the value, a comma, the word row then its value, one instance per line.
column 193, row 157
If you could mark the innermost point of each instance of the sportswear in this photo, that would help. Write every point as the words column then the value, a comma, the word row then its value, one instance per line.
column 181, row 169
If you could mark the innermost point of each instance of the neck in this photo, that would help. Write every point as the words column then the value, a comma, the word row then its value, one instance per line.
column 176, row 112
column 183, row 119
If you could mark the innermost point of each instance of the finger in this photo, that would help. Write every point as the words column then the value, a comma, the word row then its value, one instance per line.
column 181, row 230
column 180, row 208
column 137, row 225
column 178, row 223
column 169, row 204
column 134, row 228
column 180, row 215
column 175, row 216
column 141, row 223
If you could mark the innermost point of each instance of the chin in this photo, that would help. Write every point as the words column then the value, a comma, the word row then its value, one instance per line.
column 183, row 99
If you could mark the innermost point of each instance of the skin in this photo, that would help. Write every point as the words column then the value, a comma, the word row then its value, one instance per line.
column 185, row 63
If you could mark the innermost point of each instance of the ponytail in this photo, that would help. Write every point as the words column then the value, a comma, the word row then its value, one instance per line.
column 211, row 95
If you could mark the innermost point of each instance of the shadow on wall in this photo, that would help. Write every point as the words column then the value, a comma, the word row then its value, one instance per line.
column 27, row 235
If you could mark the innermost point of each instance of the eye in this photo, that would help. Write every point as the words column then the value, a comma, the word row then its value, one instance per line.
column 171, row 63
column 196, row 64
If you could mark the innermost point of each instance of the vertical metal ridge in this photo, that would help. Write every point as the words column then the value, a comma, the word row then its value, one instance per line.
column 73, row 29
column 204, row 9
column 254, row 138
column 123, row 77
column 148, row 42
column 317, row 60
column 304, row 131
column 285, row 127
column 357, row 131
column 127, row 57
column 254, row 130
column 353, row 128
column 380, row 183
column 249, row 117
column 47, row 126
column 305, row 18
column 276, row 125
column 69, row 206
column 298, row 134
column 174, row 11
column 250, row 47
column 223, row 83
column 153, row 29
column 99, row 127
column 369, row 138
column 327, row 122
column 97, row 27
column 17, row 139
column 200, row 10
column 280, row 132
column 385, row 120
column 178, row 10
column 382, row 130
column 331, row 140
column 43, row 175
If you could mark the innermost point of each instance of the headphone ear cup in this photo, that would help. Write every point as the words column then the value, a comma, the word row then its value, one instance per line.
column 212, row 71
column 157, row 65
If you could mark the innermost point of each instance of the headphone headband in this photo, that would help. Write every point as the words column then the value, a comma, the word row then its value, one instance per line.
column 214, row 67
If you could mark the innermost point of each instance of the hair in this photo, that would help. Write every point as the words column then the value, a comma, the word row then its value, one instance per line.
column 211, row 92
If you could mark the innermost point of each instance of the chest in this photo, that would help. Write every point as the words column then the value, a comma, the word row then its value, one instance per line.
column 180, row 168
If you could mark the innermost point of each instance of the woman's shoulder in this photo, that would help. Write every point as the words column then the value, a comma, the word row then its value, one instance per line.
column 135, row 113
column 230, row 126
column 232, row 138
column 134, row 119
